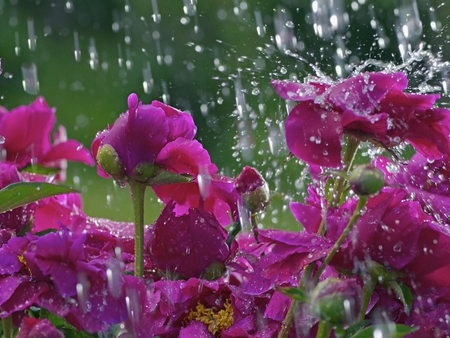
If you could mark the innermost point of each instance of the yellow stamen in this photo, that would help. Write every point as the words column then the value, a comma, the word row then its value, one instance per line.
column 24, row 262
column 216, row 320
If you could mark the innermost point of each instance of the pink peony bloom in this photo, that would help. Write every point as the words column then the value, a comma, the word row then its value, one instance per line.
column 148, row 139
column 187, row 245
column 38, row 328
column 369, row 106
column 26, row 131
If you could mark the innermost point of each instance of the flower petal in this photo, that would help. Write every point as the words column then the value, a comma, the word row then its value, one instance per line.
column 314, row 134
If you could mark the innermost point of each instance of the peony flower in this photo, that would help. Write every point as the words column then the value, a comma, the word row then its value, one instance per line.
column 426, row 181
column 26, row 131
column 252, row 189
column 148, row 141
column 38, row 328
column 368, row 106
column 214, row 194
column 188, row 245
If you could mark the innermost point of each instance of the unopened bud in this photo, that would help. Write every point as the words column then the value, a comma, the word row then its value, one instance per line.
column 253, row 189
column 109, row 161
column 366, row 180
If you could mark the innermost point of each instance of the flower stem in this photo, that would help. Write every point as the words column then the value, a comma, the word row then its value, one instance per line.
column 361, row 203
column 324, row 329
column 7, row 327
column 137, row 196
column 349, row 156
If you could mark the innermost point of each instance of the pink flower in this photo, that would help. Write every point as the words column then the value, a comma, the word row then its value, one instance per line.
column 368, row 106
column 149, row 139
column 188, row 245
column 26, row 131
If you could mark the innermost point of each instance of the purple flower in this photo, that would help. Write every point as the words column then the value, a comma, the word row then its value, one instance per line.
column 213, row 193
column 147, row 139
column 38, row 328
column 187, row 245
column 252, row 189
column 426, row 181
column 369, row 106
column 27, row 129
column 17, row 218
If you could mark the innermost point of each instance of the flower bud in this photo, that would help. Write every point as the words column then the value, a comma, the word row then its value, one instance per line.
column 253, row 189
column 366, row 180
column 337, row 301
column 109, row 161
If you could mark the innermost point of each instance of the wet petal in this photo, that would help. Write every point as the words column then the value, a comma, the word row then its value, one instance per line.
column 289, row 90
column 314, row 134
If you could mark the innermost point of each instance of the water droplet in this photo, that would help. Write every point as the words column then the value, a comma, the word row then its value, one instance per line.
column 156, row 16
column 30, row 80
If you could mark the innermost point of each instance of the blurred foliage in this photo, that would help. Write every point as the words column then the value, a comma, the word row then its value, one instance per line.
column 207, row 60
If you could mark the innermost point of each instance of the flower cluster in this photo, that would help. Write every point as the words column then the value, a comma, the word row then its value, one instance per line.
column 371, row 259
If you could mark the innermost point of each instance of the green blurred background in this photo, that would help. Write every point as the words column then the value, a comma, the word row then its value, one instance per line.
column 213, row 59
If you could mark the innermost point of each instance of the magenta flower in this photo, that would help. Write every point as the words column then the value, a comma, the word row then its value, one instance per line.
column 38, row 328
column 147, row 139
column 188, row 245
column 18, row 218
column 215, row 194
column 252, row 189
column 369, row 106
column 426, row 181
column 26, row 131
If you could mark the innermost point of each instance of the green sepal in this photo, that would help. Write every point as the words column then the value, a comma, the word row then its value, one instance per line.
column 18, row 194
column 400, row 331
column 232, row 233
column 404, row 293
column 214, row 271
column 164, row 177
column 295, row 294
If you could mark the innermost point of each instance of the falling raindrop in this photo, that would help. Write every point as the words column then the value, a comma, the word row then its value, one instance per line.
column 284, row 35
column 31, row 34
column 30, row 78
column 17, row 48
column 147, row 78
column 190, row 7
column 93, row 55
column 260, row 27
column 76, row 51
column 156, row 16
column 120, row 59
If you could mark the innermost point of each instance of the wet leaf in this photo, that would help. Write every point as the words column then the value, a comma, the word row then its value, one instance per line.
column 166, row 177
column 41, row 170
column 21, row 193
column 351, row 330
column 295, row 294
column 400, row 331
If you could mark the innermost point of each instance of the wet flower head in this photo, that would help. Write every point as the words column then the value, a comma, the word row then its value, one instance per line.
column 253, row 189
column 147, row 142
column 369, row 106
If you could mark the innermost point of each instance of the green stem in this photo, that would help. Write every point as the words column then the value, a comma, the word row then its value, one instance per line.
column 7, row 327
column 137, row 196
column 254, row 222
column 324, row 329
column 349, row 156
column 361, row 203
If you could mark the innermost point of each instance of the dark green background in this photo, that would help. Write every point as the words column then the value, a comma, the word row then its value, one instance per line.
column 198, row 69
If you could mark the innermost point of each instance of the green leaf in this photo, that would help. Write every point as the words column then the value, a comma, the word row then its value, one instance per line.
column 40, row 169
column 295, row 294
column 21, row 193
column 351, row 330
column 394, row 330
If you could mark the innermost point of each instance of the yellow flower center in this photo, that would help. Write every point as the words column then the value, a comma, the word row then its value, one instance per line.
column 24, row 262
column 216, row 320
